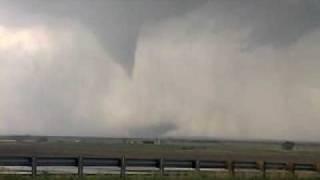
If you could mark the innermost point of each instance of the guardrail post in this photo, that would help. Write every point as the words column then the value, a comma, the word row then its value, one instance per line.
column 231, row 168
column 262, row 167
column 317, row 166
column 34, row 166
column 80, row 166
column 290, row 168
column 197, row 165
column 123, row 167
column 161, row 166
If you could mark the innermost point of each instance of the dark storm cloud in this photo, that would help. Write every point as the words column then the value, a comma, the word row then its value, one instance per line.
column 116, row 23
column 281, row 22
column 272, row 22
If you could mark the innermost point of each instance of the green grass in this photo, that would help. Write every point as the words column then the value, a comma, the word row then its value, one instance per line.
column 222, row 150
column 142, row 177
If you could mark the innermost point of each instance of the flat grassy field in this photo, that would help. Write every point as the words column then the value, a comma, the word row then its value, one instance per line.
column 190, row 177
column 219, row 150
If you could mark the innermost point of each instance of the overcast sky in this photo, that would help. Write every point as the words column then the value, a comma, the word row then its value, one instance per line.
column 225, row 69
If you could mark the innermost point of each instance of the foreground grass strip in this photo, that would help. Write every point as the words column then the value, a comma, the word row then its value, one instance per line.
column 142, row 177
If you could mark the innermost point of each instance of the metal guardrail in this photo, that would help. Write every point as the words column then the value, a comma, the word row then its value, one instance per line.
column 160, row 164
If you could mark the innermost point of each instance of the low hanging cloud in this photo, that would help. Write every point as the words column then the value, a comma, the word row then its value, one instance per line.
column 55, row 89
column 223, row 70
